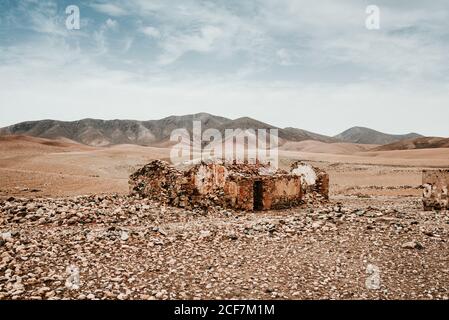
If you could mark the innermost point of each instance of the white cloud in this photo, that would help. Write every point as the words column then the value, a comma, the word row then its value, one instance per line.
column 286, row 58
column 326, row 109
column 176, row 46
column 42, row 17
column 109, row 8
column 151, row 32
column 111, row 24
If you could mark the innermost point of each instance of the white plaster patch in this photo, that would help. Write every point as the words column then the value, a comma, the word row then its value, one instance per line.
column 308, row 175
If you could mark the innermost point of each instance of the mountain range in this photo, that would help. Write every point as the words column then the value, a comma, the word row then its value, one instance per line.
column 96, row 132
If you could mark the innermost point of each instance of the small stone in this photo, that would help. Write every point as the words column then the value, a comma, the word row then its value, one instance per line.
column 205, row 234
column 43, row 290
column 232, row 236
column 121, row 296
column 124, row 236
column 90, row 296
column 5, row 236
column 316, row 225
column 413, row 245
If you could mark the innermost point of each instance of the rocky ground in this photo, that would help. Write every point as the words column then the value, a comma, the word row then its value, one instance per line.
column 126, row 248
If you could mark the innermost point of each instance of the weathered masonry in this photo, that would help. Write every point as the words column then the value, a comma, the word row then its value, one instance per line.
column 239, row 186
column 436, row 185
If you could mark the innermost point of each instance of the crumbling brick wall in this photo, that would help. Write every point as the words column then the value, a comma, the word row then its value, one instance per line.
column 435, row 193
column 238, row 193
column 238, row 186
column 208, row 178
column 322, row 184
column 282, row 191
column 314, row 180
column 278, row 191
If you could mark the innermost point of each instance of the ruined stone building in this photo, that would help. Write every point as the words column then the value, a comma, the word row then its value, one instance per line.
column 436, row 185
column 238, row 186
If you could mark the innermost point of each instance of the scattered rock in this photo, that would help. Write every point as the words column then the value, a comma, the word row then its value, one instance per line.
column 124, row 235
column 300, row 253
column 413, row 245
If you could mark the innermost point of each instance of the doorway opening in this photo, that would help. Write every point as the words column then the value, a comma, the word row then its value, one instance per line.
column 258, row 196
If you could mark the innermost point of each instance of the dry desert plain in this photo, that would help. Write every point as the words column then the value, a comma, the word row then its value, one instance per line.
column 62, row 203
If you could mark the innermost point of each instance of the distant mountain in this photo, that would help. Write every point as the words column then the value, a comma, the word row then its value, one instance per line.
column 288, row 134
column 370, row 136
column 95, row 132
column 294, row 134
column 417, row 143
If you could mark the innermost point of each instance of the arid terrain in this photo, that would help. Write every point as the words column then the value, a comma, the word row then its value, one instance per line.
column 64, row 203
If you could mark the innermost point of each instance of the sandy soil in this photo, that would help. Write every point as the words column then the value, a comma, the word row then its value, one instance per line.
column 39, row 167
column 322, row 147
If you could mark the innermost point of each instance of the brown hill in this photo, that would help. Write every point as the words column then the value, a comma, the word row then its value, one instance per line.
column 370, row 136
column 418, row 143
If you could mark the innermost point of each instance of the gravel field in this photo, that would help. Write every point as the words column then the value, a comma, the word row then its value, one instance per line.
column 117, row 247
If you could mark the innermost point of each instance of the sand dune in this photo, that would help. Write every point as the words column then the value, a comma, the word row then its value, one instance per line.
column 20, row 143
column 61, row 168
column 416, row 158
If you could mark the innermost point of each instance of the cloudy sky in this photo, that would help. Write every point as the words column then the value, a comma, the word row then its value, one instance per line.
column 307, row 64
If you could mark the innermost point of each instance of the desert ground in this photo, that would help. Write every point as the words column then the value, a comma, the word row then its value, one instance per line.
column 63, row 203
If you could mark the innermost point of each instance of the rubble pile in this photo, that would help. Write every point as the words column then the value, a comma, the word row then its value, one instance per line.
column 160, row 182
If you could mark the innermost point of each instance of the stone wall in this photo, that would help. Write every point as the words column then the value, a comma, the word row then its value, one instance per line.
column 322, row 184
column 279, row 191
column 207, row 178
column 238, row 193
column 282, row 191
column 435, row 193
